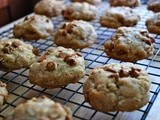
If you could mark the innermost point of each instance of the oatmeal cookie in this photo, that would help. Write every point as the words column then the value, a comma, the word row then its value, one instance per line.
column 57, row 67
column 33, row 28
column 80, row 11
column 3, row 93
column 128, row 3
column 119, row 16
column 130, row 44
column 75, row 35
column 94, row 2
column 40, row 109
column 153, row 24
column 15, row 54
column 50, row 8
column 154, row 5
column 117, row 87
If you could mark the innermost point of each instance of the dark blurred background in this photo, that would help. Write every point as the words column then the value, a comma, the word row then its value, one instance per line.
column 11, row 10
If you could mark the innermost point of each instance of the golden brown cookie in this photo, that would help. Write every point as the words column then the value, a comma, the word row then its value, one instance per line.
column 33, row 28
column 153, row 24
column 40, row 109
column 15, row 54
column 117, row 87
column 50, row 8
column 130, row 44
column 75, row 35
column 80, row 11
column 57, row 67
column 115, row 17
column 94, row 2
column 154, row 5
column 128, row 3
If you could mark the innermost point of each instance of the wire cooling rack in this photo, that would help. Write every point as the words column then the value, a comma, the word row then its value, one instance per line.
column 71, row 95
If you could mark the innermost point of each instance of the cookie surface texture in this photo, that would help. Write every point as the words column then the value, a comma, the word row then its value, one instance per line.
column 15, row 54
column 80, row 11
column 33, row 28
column 115, row 17
column 40, row 109
column 57, row 67
column 130, row 44
column 117, row 87
column 50, row 8
column 75, row 35
column 153, row 24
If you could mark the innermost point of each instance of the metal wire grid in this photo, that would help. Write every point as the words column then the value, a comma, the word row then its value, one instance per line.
column 71, row 95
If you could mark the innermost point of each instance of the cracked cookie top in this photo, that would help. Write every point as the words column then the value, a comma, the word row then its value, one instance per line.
column 80, row 11
column 33, row 28
column 115, row 17
column 40, row 109
column 50, row 8
column 75, row 35
column 117, row 87
column 130, row 44
column 154, row 5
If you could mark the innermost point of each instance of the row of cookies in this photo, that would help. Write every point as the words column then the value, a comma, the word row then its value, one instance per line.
column 112, row 87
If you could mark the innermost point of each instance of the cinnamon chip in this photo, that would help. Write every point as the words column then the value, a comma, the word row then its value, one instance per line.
column 35, row 51
column 15, row 44
column 69, row 27
column 69, row 61
column 51, row 66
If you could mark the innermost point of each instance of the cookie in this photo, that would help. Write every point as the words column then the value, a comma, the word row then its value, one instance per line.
column 3, row 93
column 128, row 3
column 154, row 5
column 117, row 87
column 15, row 54
column 119, row 16
column 50, row 8
column 40, row 109
column 80, row 11
column 153, row 24
column 75, row 35
column 130, row 44
column 94, row 2
column 33, row 28
column 57, row 67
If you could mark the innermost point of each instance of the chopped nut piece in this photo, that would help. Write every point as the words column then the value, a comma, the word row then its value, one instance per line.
column 43, row 57
column 35, row 51
column 110, row 70
column 7, row 49
column 134, row 73
column 2, row 84
column 62, row 55
column 69, row 61
column 51, row 66
column 123, row 73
